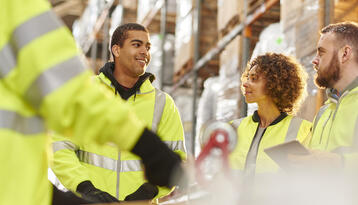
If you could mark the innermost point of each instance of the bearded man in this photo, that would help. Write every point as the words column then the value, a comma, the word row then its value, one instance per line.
column 334, row 141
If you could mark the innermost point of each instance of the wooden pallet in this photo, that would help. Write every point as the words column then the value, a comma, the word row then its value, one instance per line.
column 254, row 4
column 183, row 70
column 230, row 25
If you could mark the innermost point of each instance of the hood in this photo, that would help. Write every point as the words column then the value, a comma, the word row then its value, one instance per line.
column 124, row 92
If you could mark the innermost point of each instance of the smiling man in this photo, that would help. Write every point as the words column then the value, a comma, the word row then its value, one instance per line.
column 334, row 141
column 103, row 172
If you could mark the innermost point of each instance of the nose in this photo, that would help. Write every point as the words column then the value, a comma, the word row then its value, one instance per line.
column 315, row 60
column 245, row 84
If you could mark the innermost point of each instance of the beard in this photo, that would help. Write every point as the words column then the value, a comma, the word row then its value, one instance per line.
column 327, row 77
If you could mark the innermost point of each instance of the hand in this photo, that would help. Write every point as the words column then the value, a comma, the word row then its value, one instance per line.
column 90, row 192
column 317, row 160
column 145, row 192
column 162, row 165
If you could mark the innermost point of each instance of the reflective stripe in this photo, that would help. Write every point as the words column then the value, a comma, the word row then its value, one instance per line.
column 34, row 28
column 159, row 105
column 24, row 34
column 236, row 123
column 175, row 145
column 18, row 123
column 108, row 163
column 293, row 128
column 60, row 145
column 319, row 115
column 53, row 78
column 344, row 150
column 7, row 60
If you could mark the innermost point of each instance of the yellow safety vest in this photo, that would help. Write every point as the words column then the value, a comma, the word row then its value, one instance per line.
column 288, row 128
column 120, row 173
column 335, row 127
column 42, row 80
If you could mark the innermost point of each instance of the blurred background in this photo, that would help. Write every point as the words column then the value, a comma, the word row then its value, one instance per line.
column 200, row 47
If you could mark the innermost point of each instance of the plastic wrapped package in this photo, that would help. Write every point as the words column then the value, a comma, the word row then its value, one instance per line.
column 307, row 34
column 116, row 18
column 143, row 7
column 83, row 28
column 183, row 98
column 155, row 65
column 273, row 40
column 206, row 107
column 227, row 98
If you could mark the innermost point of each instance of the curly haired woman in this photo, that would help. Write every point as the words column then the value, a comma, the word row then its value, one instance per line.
column 277, row 84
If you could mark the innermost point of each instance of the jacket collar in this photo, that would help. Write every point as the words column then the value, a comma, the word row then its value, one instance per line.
column 143, row 85
column 256, row 118
column 333, row 95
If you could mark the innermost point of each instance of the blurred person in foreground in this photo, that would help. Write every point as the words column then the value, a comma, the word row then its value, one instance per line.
column 75, row 165
column 44, row 85
column 277, row 84
column 334, row 142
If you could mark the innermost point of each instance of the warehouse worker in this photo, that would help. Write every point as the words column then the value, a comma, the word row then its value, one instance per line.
column 277, row 84
column 334, row 141
column 125, row 77
column 43, row 84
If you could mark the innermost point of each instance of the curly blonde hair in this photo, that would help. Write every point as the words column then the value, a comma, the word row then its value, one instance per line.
column 285, row 80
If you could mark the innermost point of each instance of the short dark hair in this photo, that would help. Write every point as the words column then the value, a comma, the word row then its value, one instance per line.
column 121, row 33
column 285, row 80
column 347, row 32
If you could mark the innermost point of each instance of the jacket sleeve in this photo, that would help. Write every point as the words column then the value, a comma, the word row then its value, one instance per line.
column 51, row 78
column 304, row 133
column 171, row 131
column 66, row 164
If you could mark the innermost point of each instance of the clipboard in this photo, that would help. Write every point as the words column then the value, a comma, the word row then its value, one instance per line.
column 279, row 153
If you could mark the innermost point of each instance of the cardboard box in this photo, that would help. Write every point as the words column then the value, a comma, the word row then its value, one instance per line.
column 290, row 11
column 227, row 10
column 230, row 57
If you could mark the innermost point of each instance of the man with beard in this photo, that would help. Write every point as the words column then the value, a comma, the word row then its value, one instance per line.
column 334, row 141
column 102, row 171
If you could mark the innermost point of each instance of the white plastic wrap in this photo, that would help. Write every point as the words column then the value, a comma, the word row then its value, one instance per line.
column 155, row 65
column 227, row 98
column 207, row 106
column 84, row 27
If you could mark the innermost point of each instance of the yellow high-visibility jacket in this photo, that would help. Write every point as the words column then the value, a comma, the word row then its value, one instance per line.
column 335, row 127
column 283, row 129
column 112, row 171
column 43, row 84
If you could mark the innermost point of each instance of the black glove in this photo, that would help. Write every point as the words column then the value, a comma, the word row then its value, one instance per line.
column 90, row 192
column 67, row 198
column 162, row 165
column 145, row 192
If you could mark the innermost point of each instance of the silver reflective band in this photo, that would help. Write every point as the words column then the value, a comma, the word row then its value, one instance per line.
column 34, row 28
column 319, row 115
column 175, row 145
column 60, row 145
column 236, row 123
column 159, row 105
column 345, row 150
column 53, row 78
column 24, row 34
column 18, row 123
column 108, row 163
column 293, row 128
column 7, row 60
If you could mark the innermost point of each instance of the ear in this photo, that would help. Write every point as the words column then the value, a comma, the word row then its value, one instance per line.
column 346, row 53
column 116, row 50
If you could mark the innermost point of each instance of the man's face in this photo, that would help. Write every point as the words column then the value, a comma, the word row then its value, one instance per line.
column 134, row 56
column 326, row 62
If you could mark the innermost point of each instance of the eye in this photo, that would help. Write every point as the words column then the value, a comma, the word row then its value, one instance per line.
column 148, row 48
column 137, row 45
